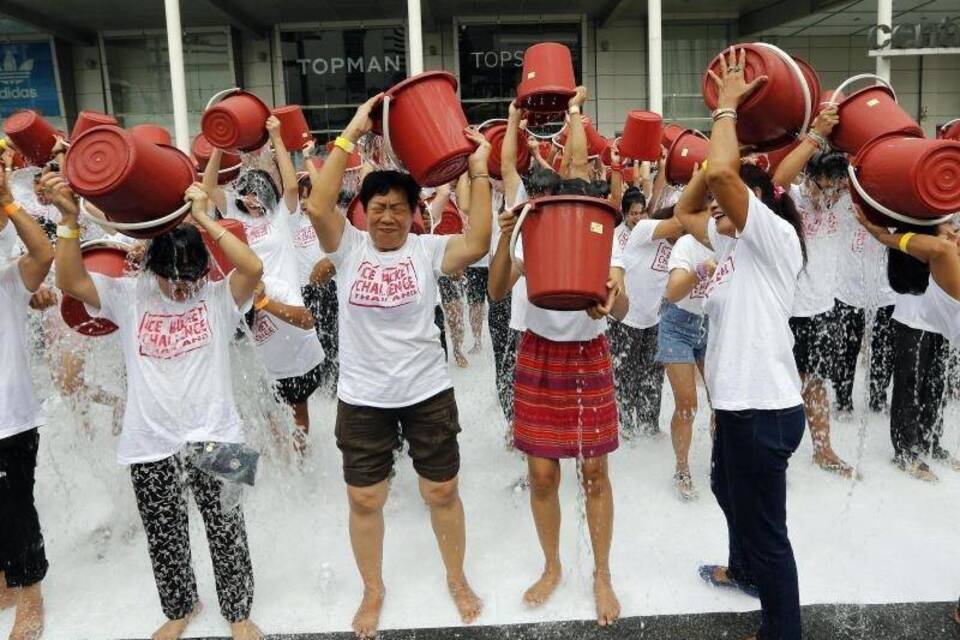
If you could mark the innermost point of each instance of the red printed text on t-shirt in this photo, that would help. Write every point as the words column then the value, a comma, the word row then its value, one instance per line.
column 662, row 258
column 170, row 336
column 263, row 328
column 385, row 287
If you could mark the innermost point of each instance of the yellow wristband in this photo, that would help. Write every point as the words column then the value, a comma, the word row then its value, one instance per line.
column 344, row 144
column 11, row 208
column 263, row 303
column 905, row 240
column 69, row 233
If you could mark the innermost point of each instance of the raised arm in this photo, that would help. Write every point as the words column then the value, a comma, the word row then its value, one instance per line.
column 791, row 166
column 503, row 275
column 691, row 210
column 466, row 248
column 576, row 147
column 211, row 173
column 298, row 316
column 616, row 177
column 72, row 277
column 288, row 174
column 35, row 265
column 463, row 192
column 508, row 152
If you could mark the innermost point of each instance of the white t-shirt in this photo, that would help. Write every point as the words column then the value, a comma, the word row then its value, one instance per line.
column 390, row 352
column 19, row 410
column 910, row 311
column 8, row 241
column 518, row 295
column 862, row 271
column 270, row 237
column 942, row 311
column 817, row 284
column 646, row 261
column 177, row 356
column 285, row 350
column 687, row 254
column 749, row 362
column 307, row 246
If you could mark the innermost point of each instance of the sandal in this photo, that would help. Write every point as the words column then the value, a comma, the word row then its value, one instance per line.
column 708, row 572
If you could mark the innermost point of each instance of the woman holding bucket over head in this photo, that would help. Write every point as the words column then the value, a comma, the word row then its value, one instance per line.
column 394, row 384
column 555, row 419
column 756, row 233
column 176, row 327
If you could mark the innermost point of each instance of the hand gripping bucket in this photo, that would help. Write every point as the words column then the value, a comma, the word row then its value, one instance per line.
column 229, row 162
column 105, row 258
column 867, row 114
column 88, row 120
column 137, row 184
column 688, row 149
column 641, row 137
column 152, row 133
column 423, row 125
column 33, row 136
column 221, row 266
column 597, row 145
column 567, row 244
column 547, row 82
column 495, row 131
column 950, row 131
column 235, row 120
column 293, row 127
column 913, row 180
column 780, row 109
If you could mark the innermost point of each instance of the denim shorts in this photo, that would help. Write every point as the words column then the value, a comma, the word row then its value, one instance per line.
column 682, row 337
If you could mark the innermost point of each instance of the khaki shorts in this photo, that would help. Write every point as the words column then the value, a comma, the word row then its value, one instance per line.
column 368, row 437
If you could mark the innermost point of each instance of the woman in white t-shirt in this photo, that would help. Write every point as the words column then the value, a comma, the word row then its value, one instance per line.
column 394, row 385
column 175, row 328
column 750, row 370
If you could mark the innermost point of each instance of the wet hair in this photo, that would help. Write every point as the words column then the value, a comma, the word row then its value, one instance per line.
column 599, row 189
column 380, row 183
column 631, row 197
column 178, row 255
column 756, row 178
column 541, row 182
column 259, row 183
column 827, row 164
column 906, row 274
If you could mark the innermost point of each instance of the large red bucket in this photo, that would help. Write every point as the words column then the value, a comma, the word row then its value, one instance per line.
column 152, row 133
column 293, row 127
column 780, row 109
column 775, row 157
column 137, row 184
column 495, row 131
column 867, row 114
column 450, row 222
column 356, row 214
column 567, row 244
column 688, row 149
column 235, row 120
column 33, row 136
column 229, row 162
column 88, row 120
column 950, row 130
column 908, row 179
column 222, row 266
column 548, row 81
column 105, row 258
column 423, row 125
column 642, row 133
column 671, row 132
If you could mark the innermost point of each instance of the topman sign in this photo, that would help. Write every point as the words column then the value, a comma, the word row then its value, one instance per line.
column 925, row 36
column 359, row 64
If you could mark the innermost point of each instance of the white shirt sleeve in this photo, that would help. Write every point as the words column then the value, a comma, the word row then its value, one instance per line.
column 435, row 247
column 112, row 292
column 770, row 237
column 641, row 235
column 12, row 282
column 682, row 255
column 349, row 240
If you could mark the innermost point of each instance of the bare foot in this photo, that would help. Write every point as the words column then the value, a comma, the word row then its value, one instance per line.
column 461, row 359
column 468, row 604
column 367, row 620
column 245, row 630
column 173, row 629
column 608, row 607
column 827, row 460
column 28, row 623
column 543, row 588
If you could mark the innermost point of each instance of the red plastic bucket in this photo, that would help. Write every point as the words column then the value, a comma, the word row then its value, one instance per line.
column 33, row 136
column 775, row 157
column 235, row 120
column 780, row 109
column 293, row 127
column 88, row 120
column 597, row 145
column 105, row 258
column 671, row 132
column 548, row 81
column 950, row 131
column 450, row 222
column 495, row 131
column 914, row 178
column 222, row 265
column 138, row 185
column 567, row 244
column 642, row 133
column 152, row 133
column 867, row 114
column 356, row 215
column 229, row 162
column 423, row 125
column 688, row 149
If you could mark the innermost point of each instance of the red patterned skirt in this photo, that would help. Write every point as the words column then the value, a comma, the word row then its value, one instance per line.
column 564, row 404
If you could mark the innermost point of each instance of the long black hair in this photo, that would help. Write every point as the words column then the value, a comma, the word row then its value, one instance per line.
column 908, row 275
column 632, row 196
column 178, row 255
column 827, row 164
column 782, row 205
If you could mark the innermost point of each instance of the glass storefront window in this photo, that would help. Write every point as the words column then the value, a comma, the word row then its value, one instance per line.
column 139, row 70
column 687, row 50
column 331, row 72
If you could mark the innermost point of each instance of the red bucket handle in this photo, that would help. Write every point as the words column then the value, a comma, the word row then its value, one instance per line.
column 517, row 262
column 132, row 226
column 889, row 212
column 807, row 92
column 857, row 78
column 489, row 123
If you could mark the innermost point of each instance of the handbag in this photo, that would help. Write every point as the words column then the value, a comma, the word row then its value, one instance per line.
column 230, row 461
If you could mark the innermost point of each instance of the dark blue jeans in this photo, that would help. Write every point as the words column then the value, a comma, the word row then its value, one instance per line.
column 751, row 452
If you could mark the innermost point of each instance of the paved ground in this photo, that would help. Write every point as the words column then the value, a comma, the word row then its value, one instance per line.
column 911, row 621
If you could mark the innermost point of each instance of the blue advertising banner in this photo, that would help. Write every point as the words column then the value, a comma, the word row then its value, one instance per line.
column 27, row 78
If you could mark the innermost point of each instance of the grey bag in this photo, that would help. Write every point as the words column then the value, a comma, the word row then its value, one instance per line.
column 228, row 461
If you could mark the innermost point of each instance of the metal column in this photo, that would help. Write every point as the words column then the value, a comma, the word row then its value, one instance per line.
column 415, row 38
column 655, row 56
column 885, row 17
column 178, row 82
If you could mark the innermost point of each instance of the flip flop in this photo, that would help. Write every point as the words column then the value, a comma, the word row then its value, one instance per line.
column 708, row 574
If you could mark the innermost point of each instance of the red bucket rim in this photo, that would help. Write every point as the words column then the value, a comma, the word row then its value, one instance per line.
column 264, row 137
column 573, row 198
column 426, row 75
column 666, row 162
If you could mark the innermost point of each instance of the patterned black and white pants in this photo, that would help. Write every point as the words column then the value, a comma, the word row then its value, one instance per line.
column 161, row 492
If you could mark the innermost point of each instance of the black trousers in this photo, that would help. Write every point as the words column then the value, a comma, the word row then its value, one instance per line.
column 919, row 377
column 850, row 326
column 751, row 452
column 504, row 341
column 161, row 492
column 322, row 303
column 22, row 556
column 637, row 375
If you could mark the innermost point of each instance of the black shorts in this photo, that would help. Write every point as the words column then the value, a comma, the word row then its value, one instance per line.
column 368, row 437
column 451, row 290
column 298, row 389
column 814, row 344
column 477, row 284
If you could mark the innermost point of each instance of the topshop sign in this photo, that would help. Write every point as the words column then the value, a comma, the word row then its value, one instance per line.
column 942, row 34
